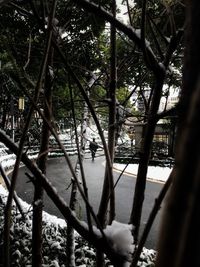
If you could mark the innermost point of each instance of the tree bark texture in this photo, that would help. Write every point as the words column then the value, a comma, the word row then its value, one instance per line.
column 179, row 235
column 43, row 154
column 108, row 187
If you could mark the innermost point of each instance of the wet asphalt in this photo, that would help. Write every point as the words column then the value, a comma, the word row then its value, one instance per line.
column 59, row 174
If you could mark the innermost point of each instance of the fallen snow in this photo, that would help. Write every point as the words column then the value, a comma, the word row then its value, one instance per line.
column 157, row 173
column 50, row 219
column 118, row 234
column 54, row 231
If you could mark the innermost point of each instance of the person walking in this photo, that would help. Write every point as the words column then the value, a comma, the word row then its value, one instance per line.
column 93, row 148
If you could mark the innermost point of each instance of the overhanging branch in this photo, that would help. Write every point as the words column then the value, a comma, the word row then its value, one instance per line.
column 128, row 30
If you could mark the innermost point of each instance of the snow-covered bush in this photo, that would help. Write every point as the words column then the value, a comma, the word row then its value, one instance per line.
column 54, row 241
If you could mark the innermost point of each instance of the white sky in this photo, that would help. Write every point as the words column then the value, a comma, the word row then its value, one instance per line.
column 123, row 9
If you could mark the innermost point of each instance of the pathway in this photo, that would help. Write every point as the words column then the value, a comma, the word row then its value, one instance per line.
column 60, row 177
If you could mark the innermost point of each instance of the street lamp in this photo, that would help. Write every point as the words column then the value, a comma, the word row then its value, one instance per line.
column 21, row 103
column 12, row 119
column 21, row 109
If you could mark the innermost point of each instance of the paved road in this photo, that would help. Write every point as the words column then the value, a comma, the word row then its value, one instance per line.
column 60, row 176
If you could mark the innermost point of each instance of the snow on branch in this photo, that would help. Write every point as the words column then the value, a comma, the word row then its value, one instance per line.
column 120, row 238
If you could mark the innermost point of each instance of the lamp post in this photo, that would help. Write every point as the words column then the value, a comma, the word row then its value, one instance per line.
column 21, row 109
column 12, row 119
column 21, row 103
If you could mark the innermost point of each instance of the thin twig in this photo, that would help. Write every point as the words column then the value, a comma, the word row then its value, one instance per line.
column 29, row 53
column 8, row 206
column 7, row 183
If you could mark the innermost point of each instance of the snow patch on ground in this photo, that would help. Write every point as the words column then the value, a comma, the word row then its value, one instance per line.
column 54, row 231
column 154, row 173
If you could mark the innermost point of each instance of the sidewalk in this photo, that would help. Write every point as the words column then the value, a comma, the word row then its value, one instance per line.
column 155, row 174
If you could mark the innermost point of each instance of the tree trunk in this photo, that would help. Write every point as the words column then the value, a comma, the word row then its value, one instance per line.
column 179, row 236
column 79, row 172
column 145, row 152
column 108, row 183
column 108, row 193
column 43, row 154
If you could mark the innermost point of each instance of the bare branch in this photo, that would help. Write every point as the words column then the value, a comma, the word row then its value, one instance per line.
column 95, row 239
column 151, row 219
column 8, row 207
column 129, row 31
column 4, row 2
column 29, row 53
column 129, row 12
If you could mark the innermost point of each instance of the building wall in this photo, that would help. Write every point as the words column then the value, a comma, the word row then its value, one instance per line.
column 162, row 134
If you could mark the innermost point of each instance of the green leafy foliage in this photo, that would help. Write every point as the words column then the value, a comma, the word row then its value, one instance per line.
column 86, row 45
